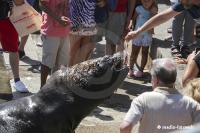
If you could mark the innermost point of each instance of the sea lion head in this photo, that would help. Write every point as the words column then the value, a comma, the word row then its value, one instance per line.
column 97, row 78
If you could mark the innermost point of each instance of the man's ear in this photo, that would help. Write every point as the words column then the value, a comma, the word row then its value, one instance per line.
column 157, row 80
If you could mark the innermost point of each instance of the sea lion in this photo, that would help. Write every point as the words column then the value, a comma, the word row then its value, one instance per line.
column 67, row 98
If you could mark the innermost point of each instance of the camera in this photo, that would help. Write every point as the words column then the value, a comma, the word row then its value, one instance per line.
column 197, row 49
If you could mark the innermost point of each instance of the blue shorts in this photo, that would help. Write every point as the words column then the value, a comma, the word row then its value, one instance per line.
column 142, row 41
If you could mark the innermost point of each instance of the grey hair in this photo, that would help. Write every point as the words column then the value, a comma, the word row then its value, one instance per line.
column 164, row 69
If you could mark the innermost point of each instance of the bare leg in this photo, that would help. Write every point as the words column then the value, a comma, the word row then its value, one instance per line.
column 75, row 41
column 85, row 42
column 110, row 49
column 14, row 62
column 120, row 48
column 145, row 51
column 134, row 55
column 23, row 42
column 44, row 74
column 90, row 50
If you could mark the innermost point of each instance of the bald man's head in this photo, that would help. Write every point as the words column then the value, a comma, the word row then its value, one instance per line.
column 164, row 69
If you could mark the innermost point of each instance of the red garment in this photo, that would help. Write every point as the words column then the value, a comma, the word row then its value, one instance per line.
column 51, row 27
column 121, row 6
column 8, row 36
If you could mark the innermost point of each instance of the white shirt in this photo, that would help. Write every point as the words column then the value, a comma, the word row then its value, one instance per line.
column 164, row 107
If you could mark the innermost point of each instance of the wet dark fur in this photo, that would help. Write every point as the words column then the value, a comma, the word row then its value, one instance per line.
column 57, row 109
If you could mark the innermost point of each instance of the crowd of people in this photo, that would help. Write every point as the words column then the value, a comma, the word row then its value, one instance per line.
column 69, row 34
column 165, row 105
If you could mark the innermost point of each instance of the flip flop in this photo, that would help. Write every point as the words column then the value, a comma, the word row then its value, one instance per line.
column 130, row 73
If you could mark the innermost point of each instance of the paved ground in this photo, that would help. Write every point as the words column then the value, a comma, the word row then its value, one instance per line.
column 108, row 116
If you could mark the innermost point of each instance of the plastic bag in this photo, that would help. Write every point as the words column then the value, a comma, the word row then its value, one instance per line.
column 25, row 19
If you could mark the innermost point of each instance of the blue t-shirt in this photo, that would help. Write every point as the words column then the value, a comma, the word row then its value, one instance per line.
column 194, row 11
column 143, row 17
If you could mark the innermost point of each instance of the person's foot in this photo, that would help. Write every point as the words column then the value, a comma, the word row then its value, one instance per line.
column 19, row 86
column 139, row 74
column 39, row 44
column 21, row 54
column 37, row 70
column 180, row 60
column 168, row 39
column 192, row 43
column 130, row 73
column 169, row 30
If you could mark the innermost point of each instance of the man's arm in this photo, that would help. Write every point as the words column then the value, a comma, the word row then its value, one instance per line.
column 153, row 22
column 134, row 19
column 131, row 6
column 63, row 20
column 134, row 114
column 126, row 127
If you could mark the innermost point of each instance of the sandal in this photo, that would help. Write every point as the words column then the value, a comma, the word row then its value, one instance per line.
column 175, row 51
column 198, row 31
column 185, row 51
column 139, row 74
column 169, row 30
column 130, row 73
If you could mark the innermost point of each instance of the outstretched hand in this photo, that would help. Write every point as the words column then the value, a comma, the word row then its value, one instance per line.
column 132, row 35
